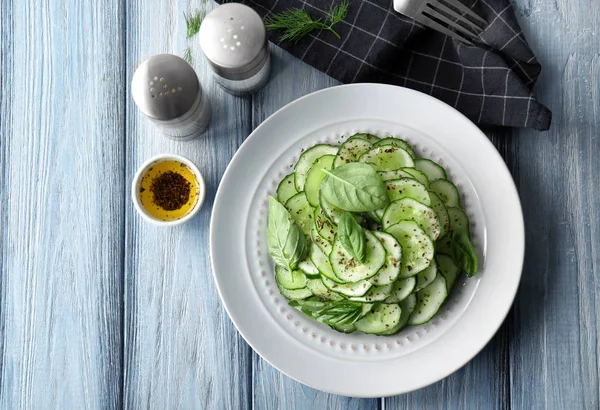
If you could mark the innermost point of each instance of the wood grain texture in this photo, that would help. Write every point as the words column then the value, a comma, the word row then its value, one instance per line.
column 181, row 349
column 555, row 351
column 291, row 79
column 61, row 199
column 98, row 309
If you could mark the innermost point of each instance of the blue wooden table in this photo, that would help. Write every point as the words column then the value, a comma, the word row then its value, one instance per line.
column 98, row 309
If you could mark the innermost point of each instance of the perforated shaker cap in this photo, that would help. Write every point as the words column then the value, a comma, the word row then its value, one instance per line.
column 165, row 87
column 234, row 41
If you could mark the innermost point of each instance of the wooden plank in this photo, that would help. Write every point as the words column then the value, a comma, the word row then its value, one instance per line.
column 555, row 353
column 181, row 349
column 481, row 384
column 61, row 195
column 291, row 79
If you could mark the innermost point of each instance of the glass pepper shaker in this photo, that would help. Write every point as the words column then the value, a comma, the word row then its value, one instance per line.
column 167, row 90
column 234, row 41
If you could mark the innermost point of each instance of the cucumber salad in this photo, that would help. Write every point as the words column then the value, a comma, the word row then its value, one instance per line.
column 366, row 236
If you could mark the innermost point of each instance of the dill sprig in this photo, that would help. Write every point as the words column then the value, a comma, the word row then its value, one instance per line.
column 297, row 23
column 187, row 55
column 337, row 13
column 192, row 22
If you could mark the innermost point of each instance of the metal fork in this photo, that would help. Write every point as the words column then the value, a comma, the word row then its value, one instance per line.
column 449, row 17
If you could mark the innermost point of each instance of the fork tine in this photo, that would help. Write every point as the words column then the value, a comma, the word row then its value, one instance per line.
column 450, row 23
column 449, row 12
column 438, row 27
column 458, row 5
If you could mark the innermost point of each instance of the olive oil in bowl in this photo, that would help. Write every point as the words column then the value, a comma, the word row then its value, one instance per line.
column 168, row 190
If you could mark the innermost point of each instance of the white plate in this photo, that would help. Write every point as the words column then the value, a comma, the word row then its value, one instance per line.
column 356, row 364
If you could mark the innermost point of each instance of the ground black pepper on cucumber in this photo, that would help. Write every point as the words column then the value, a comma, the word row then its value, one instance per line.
column 366, row 236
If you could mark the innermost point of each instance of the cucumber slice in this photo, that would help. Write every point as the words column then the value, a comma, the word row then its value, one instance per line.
column 444, row 245
column 306, row 161
column 431, row 169
column 395, row 174
column 349, row 269
column 309, row 269
column 387, row 158
column 295, row 294
column 397, row 142
column 301, row 212
column 320, row 241
column 317, row 288
column 402, row 288
column 324, row 226
column 373, row 139
column 407, row 188
column 359, row 288
column 458, row 220
column 315, row 176
column 286, row 188
column 405, row 172
column 405, row 287
column 290, row 280
column 391, row 268
column 449, row 269
column 407, row 209
column 351, row 150
column 380, row 320
column 376, row 294
column 418, row 175
column 429, row 301
column 440, row 212
column 321, row 261
column 426, row 276
column 345, row 329
column 447, row 192
column 410, row 303
column 366, row 308
column 417, row 247
column 407, row 306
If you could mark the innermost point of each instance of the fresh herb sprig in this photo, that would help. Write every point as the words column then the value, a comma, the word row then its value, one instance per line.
column 343, row 313
column 297, row 24
column 355, row 187
column 187, row 55
column 352, row 236
column 192, row 23
column 287, row 244
column 464, row 253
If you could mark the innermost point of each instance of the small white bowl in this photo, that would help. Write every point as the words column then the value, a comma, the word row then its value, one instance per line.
column 135, row 189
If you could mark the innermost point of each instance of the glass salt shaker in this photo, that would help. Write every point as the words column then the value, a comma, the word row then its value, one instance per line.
column 167, row 90
column 234, row 41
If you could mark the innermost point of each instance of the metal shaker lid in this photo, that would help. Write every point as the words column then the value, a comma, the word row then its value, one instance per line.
column 234, row 40
column 165, row 87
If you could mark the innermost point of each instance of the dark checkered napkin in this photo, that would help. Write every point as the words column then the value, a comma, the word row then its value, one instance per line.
column 490, row 83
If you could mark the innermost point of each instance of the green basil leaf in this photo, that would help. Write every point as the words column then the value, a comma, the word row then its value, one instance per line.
column 342, row 313
column 355, row 187
column 352, row 236
column 464, row 253
column 287, row 244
